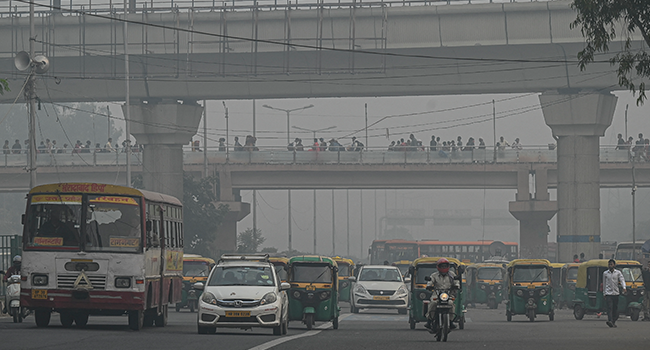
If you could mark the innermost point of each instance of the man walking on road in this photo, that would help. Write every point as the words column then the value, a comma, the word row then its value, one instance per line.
column 611, row 279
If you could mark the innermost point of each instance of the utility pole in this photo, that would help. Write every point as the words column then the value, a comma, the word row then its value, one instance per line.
column 361, row 221
column 633, row 210
column 333, row 227
column 127, row 115
column 314, row 221
column 366, row 108
column 254, row 191
column 227, row 131
column 205, row 139
column 32, row 99
column 347, row 211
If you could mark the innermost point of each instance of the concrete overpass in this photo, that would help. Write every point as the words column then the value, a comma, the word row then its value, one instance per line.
column 331, row 50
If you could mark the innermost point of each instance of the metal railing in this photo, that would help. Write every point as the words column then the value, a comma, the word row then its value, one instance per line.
column 21, row 9
column 277, row 155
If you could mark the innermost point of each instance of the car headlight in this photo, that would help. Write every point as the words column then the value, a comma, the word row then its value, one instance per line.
column 359, row 289
column 268, row 298
column 401, row 291
column 123, row 282
column 520, row 292
column 543, row 292
column 209, row 298
column 39, row 280
column 444, row 296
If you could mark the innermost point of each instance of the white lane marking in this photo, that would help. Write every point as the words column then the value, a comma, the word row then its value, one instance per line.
column 279, row 341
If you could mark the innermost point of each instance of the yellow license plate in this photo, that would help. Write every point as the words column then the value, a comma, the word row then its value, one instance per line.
column 238, row 313
column 39, row 293
column 310, row 288
column 532, row 286
column 380, row 298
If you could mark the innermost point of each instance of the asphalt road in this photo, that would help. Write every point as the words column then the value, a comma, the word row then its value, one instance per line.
column 486, row 329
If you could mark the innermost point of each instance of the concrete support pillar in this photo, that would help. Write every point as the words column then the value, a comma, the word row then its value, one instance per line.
column 578, row 121
column 226, row 240
column 533, row 213
column 163, row 128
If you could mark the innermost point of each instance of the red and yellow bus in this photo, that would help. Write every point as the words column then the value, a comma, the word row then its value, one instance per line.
column 466, row 251
column 97, row 249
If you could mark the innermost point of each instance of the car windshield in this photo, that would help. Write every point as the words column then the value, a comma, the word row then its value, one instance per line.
column 311, row 273
column 53, row 221
column 490, row 273
column 113, row 223
column 344, row 270
column 530, row 274
column 242, row 276
column 631, row 274
column 572, row 274
column 196, row 269
column 380, row 274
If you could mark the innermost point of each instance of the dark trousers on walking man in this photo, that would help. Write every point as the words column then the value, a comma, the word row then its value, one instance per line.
column 612, row 308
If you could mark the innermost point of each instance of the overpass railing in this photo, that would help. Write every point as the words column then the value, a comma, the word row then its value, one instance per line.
column 20, row 9
column 422, row 155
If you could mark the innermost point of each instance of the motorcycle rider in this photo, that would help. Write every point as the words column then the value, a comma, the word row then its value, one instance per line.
column 13, row 270
column 443, row 279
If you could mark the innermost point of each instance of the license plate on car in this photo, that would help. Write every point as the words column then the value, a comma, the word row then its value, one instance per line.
column 380, row 298
column 39, row 293
column 238, row 313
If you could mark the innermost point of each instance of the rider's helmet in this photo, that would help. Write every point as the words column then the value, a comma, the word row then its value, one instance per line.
column 17, row 260
column 443, row 265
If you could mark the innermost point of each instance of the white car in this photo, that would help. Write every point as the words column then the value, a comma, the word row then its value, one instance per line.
column 243, row 292
column 379, row 287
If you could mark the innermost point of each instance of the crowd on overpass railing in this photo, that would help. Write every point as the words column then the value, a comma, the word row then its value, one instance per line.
column 641, row 149
column 50, row 147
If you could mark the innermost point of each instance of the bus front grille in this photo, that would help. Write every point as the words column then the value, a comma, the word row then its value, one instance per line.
column 66, row 281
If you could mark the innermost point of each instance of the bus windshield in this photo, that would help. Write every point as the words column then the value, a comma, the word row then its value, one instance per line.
column 196, row 268
column 53, row 222
column 113, row 223
column 530, row 274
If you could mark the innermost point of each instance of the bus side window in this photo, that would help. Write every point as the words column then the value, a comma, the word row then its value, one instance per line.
column 182, row 235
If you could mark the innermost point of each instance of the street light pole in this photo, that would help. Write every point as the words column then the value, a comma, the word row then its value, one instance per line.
column 32, row 99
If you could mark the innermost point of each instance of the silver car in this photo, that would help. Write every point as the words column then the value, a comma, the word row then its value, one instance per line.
column 379, row 287
column 242, row 293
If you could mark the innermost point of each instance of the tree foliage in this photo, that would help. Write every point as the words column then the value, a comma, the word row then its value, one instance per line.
column 599, row 21
column 4, row 86
column 249, row 241
column 201, row 217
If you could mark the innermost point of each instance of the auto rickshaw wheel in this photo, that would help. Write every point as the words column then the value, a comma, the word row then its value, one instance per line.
column 402, row 311
column 634, row 314
column 309, row 321
column 508, row 316
column 335, row 323
column 551, row 316
column 178, row 307
column 411, row 323
column 531, row 315
column 578, row 312
column 461, row 322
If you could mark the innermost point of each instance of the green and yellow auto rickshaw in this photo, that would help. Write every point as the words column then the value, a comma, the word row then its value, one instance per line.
column 281, row 265
column 568, row 279
column 346, row 269
column 589, row 297
column 556, row 284
column 485, row 284
column 403, row 266
column 195, row 269
column 529, row 290
column 420, row 296
column 314, row 290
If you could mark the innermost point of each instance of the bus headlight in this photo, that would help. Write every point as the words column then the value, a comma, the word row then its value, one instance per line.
column 39, row 280
column 123, row 282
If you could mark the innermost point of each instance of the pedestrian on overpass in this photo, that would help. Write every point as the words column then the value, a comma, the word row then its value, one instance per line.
column 611, row 280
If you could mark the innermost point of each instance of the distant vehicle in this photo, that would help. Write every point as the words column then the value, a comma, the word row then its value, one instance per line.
column 467, row 251
column 624, row 251
column 379, row 286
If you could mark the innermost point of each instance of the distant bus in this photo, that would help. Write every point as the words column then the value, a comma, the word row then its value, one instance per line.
column 469, row 251
column 624, row 252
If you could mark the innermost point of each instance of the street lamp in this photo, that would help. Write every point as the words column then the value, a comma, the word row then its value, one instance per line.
column 288, row 111
column 314, row 131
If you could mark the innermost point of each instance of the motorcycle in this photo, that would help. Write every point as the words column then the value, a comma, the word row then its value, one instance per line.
column 441, row 322
column 12, row 299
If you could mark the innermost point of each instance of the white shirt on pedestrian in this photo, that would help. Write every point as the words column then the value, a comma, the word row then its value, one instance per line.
column 611, row 281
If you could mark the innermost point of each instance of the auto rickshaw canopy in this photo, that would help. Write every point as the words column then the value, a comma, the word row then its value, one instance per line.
column 433, row 260
column 529, row 262
column 582, row 269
